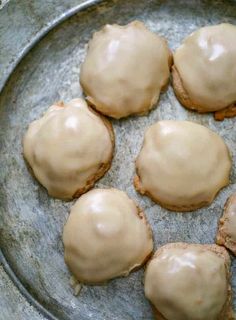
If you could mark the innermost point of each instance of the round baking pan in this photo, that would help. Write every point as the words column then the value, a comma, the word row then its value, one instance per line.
column 31, row 221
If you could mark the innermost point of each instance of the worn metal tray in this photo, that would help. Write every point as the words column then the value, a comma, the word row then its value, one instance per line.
column 31, row 222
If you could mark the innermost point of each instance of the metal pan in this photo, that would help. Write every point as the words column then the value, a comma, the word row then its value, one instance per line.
column 31, row 222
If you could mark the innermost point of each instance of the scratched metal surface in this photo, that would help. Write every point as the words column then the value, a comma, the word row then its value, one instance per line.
column 31, row 222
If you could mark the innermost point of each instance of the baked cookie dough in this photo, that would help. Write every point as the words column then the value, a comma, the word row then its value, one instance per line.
column 204, row 71
column 189, row 282
column 182, row 165
column 125, row 69
column 105, row 236
column 69, row 148
column 227, row 226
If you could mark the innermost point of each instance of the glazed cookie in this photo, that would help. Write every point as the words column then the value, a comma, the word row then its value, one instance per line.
column 204, row 71
column 105, row 236
column 189, row 281
column 125, row 69
column 69, row 148
column 227, row 226
column 182, row 165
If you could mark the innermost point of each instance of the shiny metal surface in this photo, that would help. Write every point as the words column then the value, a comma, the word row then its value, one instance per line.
column 31, row 222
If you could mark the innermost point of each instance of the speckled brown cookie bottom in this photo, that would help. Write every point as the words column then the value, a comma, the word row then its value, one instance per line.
column 223, row 238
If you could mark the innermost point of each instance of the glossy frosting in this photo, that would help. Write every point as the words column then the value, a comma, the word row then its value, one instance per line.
column 206, row 62
column 182, row 164
column 125, row 69
column 105, row 237
column 66, row 147
column 187, row 283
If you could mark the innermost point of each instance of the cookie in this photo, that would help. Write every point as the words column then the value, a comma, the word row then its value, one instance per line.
column 125, row 69
column 227, row 225
column 69, row 148
column 189, row 281
column 182, row 165
column 105, row 236
column 204, row 72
